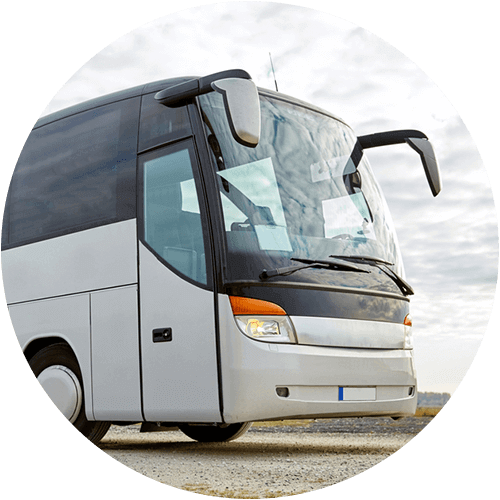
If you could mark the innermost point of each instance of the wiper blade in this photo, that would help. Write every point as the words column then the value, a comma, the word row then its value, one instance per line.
column 327, row 264
column 362, row 258
column 382, row 265
column 282, row 271
column 332, row 263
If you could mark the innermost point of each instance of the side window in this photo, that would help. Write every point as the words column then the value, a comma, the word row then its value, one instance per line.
column 75, row 173
column 172, row 224
column 161, row 124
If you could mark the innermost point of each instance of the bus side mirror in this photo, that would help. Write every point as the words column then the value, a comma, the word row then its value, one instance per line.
column 424, row 148
column 241, row 102
column 418, row 142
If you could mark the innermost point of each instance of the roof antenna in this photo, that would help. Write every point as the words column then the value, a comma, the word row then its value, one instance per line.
column 274, row 74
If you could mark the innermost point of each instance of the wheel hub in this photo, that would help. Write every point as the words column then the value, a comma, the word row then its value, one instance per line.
column 63, row 388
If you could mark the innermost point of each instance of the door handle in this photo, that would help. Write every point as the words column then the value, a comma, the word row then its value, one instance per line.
column 162, row 335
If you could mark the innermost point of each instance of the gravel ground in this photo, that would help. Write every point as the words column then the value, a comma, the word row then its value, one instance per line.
column 269, row 460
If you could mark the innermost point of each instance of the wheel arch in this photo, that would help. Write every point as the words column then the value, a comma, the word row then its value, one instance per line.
column 38, row 344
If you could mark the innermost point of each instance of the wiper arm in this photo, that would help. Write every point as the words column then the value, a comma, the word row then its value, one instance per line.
column 328, row 264
column 342, row 266
column 362, row 258
column 382, row 265
column 403, row 285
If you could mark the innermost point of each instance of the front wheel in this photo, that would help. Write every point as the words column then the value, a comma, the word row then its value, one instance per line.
column 57, row 370
column 214, row 434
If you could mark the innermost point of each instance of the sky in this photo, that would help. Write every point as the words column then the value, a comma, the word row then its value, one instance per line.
column 449, row 244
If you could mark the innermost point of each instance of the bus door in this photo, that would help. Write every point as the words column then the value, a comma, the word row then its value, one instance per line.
column 178, row 337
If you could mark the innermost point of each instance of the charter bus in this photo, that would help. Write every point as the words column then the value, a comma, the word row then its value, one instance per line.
column 198, row 253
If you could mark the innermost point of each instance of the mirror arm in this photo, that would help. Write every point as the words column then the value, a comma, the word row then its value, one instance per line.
column 418, row 141
column 389, row 138
column 196, row 86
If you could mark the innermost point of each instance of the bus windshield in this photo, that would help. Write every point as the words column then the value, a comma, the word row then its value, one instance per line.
column 305, row 192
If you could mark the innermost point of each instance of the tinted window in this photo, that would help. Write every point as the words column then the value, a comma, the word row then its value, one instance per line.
column 171, row 219
column 75, row 173
column 161, row 124
column 5, row 224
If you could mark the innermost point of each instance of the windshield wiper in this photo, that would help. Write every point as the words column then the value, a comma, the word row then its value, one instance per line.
column 362, row 258
column 327, row 264
column 382, row 265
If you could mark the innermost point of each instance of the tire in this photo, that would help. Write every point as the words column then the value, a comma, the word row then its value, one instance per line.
column 57, row 370
column 213, row 434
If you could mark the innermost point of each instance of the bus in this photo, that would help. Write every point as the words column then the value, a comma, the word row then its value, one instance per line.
column 198, row 254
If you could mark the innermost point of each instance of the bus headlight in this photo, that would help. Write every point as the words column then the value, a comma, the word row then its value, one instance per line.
column 408, row 332
column 262, row 320
column 267, row 328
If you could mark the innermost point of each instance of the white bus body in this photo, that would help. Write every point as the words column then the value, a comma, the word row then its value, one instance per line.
column 171, row 255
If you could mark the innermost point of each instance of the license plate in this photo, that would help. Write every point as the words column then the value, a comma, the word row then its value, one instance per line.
column 357, row 394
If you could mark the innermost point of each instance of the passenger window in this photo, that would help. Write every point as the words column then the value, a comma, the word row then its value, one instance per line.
column 161, row 124
column 171, row 212
column 75, row 173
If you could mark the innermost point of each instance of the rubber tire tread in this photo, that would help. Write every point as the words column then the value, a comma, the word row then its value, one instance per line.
column 213, row 434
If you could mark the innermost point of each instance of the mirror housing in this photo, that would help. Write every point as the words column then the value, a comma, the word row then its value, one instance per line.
column 419, row 142
column 424, row 148
column 241, row 101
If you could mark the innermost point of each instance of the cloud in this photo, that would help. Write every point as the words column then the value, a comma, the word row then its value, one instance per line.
column 449, row 244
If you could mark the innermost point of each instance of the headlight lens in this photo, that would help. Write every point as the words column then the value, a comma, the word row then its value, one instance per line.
column 267, row 328
column 408, row 332
column 262, row 320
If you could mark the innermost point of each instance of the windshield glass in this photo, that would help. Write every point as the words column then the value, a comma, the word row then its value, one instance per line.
column 306, row 191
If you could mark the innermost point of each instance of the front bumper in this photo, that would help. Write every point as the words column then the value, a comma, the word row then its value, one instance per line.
column 314, row 377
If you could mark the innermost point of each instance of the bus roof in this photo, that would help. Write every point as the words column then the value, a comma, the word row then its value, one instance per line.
column 109, row 98
column 156, row 87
